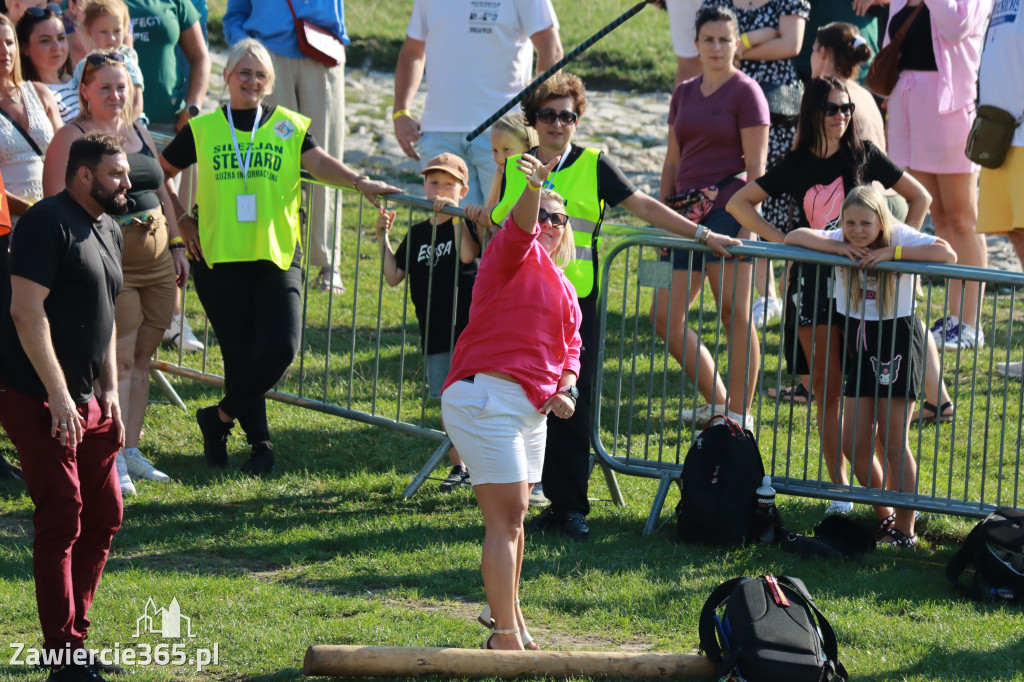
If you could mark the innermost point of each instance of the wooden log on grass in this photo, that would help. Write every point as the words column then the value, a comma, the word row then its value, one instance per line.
column 404, row 661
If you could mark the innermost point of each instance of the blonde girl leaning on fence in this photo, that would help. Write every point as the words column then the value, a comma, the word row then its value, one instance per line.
column 510, row 136
column 884, row 342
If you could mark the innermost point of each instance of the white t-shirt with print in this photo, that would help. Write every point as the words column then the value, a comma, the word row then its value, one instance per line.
column 903, row 235
column 1001, row 77
column 478, row 56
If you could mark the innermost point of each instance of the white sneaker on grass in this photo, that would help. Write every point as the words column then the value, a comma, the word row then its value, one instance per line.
column 127, row 487
column 1010, row 370
column 765, row 310
column 181, row 330
column 537, row 498
column 839, row 508
column 140, row 467
column 703, row 414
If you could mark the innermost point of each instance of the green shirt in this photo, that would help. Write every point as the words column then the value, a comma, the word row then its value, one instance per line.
column 157, row 26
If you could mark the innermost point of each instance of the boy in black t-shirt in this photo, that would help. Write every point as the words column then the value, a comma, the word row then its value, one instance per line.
column 440, row 259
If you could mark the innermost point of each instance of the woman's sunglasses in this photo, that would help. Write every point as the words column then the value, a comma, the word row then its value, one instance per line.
column 101, row 58
column 40, row 12
column 556, row 219
column 549, row 115
column 831, row 108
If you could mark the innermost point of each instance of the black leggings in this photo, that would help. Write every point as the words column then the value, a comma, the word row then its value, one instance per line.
column 255, row 310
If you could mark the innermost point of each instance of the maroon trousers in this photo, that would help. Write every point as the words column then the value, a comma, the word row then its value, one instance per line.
column 78, row 509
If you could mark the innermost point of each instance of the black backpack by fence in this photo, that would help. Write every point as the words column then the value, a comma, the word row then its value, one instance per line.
column 770, row 630
column 996, row 549
column 721, row 471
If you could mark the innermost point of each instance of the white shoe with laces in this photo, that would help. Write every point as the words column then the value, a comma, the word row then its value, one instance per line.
column 839, row 508
column 127, row 487
column 140, row 467
column 181, row 330
column 703, row 414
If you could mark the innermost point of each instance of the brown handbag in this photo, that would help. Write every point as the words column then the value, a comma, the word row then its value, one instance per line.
column 318, row 43
column 885, row 69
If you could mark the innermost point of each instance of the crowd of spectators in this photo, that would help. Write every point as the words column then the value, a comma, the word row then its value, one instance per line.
column 770, row 135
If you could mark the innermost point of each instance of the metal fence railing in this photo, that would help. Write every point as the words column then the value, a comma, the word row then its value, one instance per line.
column 966, row 467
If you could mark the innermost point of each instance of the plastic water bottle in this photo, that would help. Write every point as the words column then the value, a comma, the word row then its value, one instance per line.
column 765, row 496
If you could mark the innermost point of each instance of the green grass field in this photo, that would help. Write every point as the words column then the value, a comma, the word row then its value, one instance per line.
column 328, row 551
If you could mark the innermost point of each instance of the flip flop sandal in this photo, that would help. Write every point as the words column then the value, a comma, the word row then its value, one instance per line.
column 794, row 394
column 897, row 538
column 931, row 414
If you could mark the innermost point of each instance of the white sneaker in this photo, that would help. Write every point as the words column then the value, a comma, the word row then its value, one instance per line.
column 965, row 336
column 942, row 327
column 537, row 498
column 140, row 467
column 837, row 508
column 703, row 414
column 765, row 310
column 127, row 487
column 330, row 280
column 1010, row 370
column 175, row 332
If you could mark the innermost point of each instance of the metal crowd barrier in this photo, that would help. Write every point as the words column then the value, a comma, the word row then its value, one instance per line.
column 967, row 467
column 359, row 354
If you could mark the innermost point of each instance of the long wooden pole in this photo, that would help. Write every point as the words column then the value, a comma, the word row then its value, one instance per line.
column 400, row 661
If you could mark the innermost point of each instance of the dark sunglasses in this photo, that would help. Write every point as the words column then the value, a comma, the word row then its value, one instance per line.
column 566, row 118
column 558, row 220
column 101, row 58
column 831, row 108
column 40, row 12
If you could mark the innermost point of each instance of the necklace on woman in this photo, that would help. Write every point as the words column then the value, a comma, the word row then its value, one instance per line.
column 15, row 95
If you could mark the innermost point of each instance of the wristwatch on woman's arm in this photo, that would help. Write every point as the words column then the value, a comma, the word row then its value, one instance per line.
column 571, row 392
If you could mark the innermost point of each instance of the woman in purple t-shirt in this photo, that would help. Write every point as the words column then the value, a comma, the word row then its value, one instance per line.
column 717, row 136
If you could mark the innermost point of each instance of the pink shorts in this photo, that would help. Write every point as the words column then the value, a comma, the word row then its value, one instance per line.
column 919, row 137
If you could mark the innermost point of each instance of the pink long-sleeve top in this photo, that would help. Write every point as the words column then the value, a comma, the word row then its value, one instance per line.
column 524, row 319
column 958, row 29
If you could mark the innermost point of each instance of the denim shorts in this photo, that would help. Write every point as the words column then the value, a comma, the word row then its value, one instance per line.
column 721, row 222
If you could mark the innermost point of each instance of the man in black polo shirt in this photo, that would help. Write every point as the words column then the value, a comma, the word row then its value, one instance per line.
column 56, row 342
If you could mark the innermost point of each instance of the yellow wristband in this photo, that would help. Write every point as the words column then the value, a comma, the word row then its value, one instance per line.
column 746, row 40
column 399, row 113
column 530, row 185
column 899, row 252
column 176, row 240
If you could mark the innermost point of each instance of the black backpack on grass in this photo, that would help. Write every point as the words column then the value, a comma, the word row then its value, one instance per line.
column 721, row 471
column 770, row 631
column 996, row 549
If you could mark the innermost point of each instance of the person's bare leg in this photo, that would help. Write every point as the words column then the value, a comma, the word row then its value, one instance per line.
column 954, row 212
column 821, row 344
column 744, row 350
column 125, row 365
column 764, row 278
column 678, row 336
column 503, row 506
column 1016, row 237
column 147, row 339
column 900, row 462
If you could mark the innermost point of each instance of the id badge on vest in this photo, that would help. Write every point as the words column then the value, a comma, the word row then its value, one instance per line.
column 245, row 204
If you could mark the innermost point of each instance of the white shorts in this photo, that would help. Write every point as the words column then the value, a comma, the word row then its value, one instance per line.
column 682, row 15
column 498, row 432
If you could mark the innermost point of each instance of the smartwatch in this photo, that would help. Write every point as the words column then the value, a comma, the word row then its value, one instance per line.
column 192, row 109
column 572, row 392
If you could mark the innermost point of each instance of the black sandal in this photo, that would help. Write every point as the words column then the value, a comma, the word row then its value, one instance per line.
column 931, row 414
column 896, row 538
column 797, row 395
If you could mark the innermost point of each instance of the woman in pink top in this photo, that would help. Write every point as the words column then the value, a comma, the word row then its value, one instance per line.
column 930, row 114
column 517, row 360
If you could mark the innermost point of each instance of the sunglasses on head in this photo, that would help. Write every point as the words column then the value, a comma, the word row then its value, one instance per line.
column 100, row 58
column 556, row 219
column 566, row 118
column 40, row 12
column 831, row 108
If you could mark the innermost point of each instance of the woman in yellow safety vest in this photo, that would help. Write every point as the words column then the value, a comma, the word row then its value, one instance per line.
column 243, row 238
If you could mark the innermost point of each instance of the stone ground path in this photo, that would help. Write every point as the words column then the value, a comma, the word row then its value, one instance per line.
column 629, row 126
